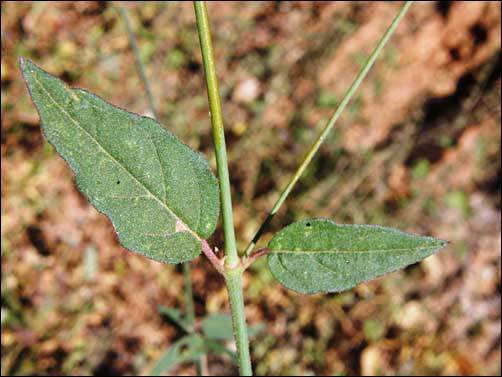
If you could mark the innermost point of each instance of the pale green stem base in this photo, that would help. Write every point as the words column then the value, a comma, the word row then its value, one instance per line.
column 233, row 278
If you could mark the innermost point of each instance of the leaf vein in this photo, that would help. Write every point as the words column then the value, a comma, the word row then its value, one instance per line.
column 323, row 265
column 301, row 278
column 160, row 164
column 351, row 251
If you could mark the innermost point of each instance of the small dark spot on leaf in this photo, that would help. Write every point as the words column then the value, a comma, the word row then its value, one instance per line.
column 308, row 224
column 118, row 182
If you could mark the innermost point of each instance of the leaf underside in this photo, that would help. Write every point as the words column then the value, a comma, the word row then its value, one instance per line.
column 160, row 195
column 318, row 255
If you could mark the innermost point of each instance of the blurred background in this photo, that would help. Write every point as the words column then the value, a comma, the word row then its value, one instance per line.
column 418, row 148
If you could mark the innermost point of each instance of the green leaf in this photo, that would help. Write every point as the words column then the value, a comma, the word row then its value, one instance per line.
column 175, row 316
column 219, row 326
column 318, row 255
column 188, row 348
column 161, row 196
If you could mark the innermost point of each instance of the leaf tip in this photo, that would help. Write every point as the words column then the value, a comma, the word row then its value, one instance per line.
column 444, row 243
column 440, row 242
column 24, row 64
column 28, row 68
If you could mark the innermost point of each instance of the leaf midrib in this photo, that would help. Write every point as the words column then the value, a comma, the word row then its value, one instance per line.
column 113, row 158
column 149, row 136
column 351, row 251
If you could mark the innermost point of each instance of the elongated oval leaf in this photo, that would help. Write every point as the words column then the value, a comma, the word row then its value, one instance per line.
column 160, row 195
column 318, row 255
column 217, row 326
column 175, row 316
column 188, row 348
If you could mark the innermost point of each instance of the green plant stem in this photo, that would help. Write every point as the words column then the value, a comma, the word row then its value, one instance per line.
column 139, row 64
column 233, row 270
column 233, row 279
column 329, row 126
column 213, row 93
